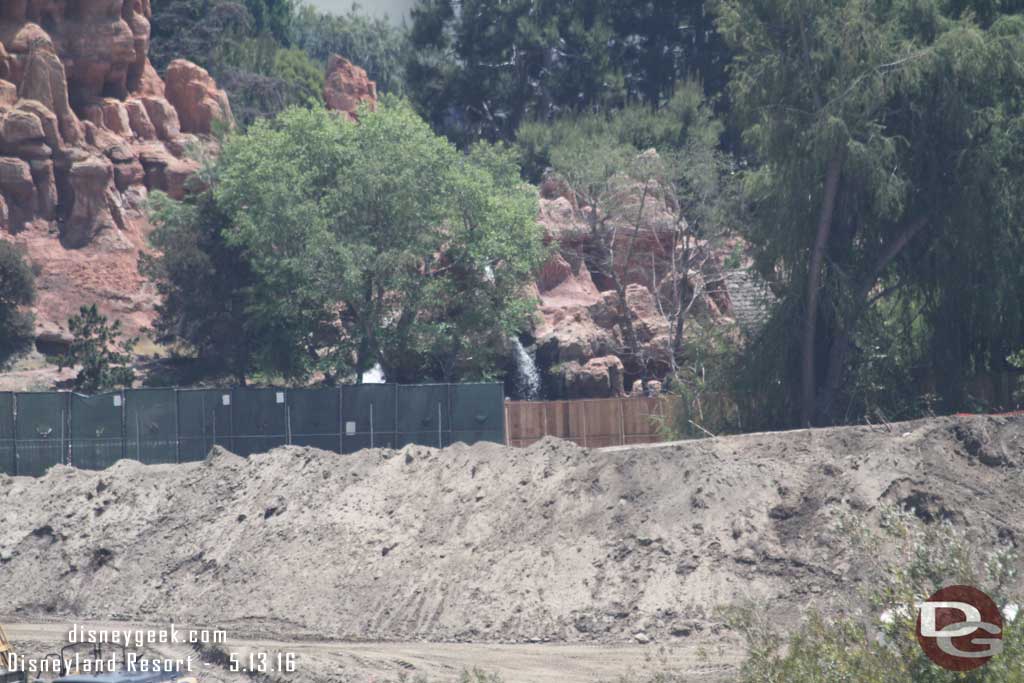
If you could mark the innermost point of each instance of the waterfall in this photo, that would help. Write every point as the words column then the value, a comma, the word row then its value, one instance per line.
column 374, row 375
column 527, row 376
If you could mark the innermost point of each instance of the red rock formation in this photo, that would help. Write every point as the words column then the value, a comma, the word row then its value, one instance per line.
column 346, row 86
column 581, row 330
column 86, row 131
column 196, row 97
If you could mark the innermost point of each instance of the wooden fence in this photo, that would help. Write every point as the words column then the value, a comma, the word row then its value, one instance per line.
column 592, row 423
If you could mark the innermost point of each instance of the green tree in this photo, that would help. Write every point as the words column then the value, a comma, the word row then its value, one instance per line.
column 17, row 291
column 480, row 71
column 205, row 288
column 375, row 242
column 305, row 78
column 272, row 17
column 479, row 68
column 888, row 142
column 244, row 46
column 101, row 352
column 374, row 43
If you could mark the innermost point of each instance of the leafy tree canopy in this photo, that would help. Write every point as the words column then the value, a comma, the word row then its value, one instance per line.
column 375, row 242
column 888, row 146
column 17, row 290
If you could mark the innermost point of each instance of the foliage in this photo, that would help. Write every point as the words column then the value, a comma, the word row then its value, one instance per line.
column 685, row 120
column 272, row 17
column 703, row 382
column 860, row 647
column 686, row 186
column 101, row 352
column 205, row 287
column 244, row 46
column 341, row 245
column 374, row 43
column 486, row 67
column 197, row 30
column 888, row 146
column 17, row 290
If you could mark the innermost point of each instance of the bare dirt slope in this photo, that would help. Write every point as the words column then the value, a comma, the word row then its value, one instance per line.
column 394, row 662
column 488, row 543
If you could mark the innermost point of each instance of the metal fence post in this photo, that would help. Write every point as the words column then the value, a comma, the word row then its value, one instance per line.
column 68, row 454
column 622, row 423
column 14, row 434
column 288, row 423
column 177, row 429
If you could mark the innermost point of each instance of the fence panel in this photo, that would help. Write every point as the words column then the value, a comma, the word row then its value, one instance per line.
column 424, row 416
column 527, row 422
column 477, row 413
column 40, row 431
column 368, row 416
column 643, row 418
column 204, row 419
column 593, row 423
column 314, row 417
column 259, row 420
column 151, row 425
column 97, row 437
column 596, row 423
column 8, row 458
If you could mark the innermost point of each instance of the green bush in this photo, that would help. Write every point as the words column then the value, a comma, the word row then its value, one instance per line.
column 858, row 646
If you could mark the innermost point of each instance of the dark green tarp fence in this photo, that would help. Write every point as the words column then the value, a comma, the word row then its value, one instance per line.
column 8, row 461
column 368, row 420
column 204, row 419
column 157, row 426
column 97, row 439
column 40, row 432
column 151, row 425
column 314, row 418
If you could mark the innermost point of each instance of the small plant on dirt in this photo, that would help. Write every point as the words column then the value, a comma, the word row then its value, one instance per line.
column 479, row 676
column 98, row 348
column 874, row 641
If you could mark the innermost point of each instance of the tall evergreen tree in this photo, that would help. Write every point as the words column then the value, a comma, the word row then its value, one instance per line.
column 889, row 137
column 17, row 291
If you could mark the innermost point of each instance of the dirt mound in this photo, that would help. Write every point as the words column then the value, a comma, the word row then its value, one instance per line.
column 488, row 543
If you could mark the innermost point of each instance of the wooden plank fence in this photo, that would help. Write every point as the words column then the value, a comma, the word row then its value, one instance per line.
column 592, row 423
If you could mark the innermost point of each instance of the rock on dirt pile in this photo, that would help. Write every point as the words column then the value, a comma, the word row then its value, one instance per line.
column 487, row 542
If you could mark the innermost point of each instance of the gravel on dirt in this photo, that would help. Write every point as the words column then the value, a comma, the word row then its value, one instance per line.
column 485, row 543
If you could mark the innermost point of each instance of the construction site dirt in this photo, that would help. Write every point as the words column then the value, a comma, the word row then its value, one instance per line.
column 545, row 563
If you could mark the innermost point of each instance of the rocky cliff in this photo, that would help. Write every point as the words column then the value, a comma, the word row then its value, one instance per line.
column 581, row 339
column 87, row 130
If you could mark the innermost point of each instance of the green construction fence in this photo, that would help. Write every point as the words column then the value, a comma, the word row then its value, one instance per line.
column 166, row 426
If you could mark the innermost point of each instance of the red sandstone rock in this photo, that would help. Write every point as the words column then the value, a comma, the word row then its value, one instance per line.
column 346, row 86
column 139, row 121
column 195, row 96
column 163, row 116
column 85, row 132
column 8, row 94
column 578, row 322
column 598, row 378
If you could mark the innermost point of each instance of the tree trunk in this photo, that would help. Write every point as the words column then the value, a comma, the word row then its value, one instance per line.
column 842, row 343
column 808, row 374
